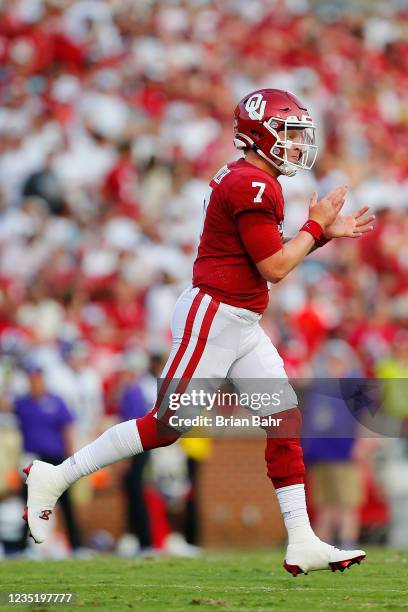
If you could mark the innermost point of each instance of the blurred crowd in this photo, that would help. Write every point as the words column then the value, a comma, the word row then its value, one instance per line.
column 115, row 114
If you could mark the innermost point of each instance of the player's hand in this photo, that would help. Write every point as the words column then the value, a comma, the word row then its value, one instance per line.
column 326, row 210
column 350, row 226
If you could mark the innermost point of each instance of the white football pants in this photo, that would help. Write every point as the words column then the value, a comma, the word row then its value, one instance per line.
column 214, row 342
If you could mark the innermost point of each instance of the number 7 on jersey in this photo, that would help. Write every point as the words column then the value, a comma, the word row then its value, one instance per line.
column 261, row 189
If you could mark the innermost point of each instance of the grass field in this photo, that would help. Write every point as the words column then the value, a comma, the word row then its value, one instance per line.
column 233, row 581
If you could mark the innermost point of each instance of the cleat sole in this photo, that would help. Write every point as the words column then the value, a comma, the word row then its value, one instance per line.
column 26, row 471
column 342, row 565
column 25, row 518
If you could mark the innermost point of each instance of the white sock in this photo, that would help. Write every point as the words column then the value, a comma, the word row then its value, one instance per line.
column 292, row 501
column 118, row 442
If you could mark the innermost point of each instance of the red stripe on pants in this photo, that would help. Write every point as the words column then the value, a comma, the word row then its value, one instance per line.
column 200, row 346
column 188, row 329
column 197, row 353
column 154, row 432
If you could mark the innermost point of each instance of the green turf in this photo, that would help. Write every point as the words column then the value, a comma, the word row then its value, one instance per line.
column 233, row 581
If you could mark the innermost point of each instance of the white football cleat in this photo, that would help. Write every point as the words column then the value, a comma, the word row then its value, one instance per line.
column 317, row 555
column 45, row 485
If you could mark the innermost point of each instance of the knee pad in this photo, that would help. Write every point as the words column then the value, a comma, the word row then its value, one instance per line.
column 153, row 433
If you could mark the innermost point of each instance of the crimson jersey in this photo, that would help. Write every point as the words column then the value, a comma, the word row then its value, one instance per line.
column 243, row 215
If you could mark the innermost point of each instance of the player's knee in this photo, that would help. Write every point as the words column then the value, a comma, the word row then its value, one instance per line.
column 154, row 433
column 283, row 451
column 290, row 425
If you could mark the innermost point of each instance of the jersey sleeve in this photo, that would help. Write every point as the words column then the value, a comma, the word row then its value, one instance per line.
column 260, row 234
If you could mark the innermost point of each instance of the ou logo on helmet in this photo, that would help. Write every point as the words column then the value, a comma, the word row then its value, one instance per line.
column 255, row 106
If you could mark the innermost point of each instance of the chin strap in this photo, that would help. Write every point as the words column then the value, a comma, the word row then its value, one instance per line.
column 283, row 168
column 287, row 170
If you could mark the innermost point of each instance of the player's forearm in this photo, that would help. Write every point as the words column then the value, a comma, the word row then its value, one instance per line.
column 278, row 265
column 289, row 238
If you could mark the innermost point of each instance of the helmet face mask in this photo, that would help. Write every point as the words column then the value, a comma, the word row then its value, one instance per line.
column 300, row 135
column 273, row 123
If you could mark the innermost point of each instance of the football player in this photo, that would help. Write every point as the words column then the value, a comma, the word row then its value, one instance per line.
column 215, row 325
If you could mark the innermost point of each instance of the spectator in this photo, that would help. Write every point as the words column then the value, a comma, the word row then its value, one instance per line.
column 329, row 438
column 133, row 405
column 121, row 184
column 45, row 424
column 44, row 184
column 393, row 375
